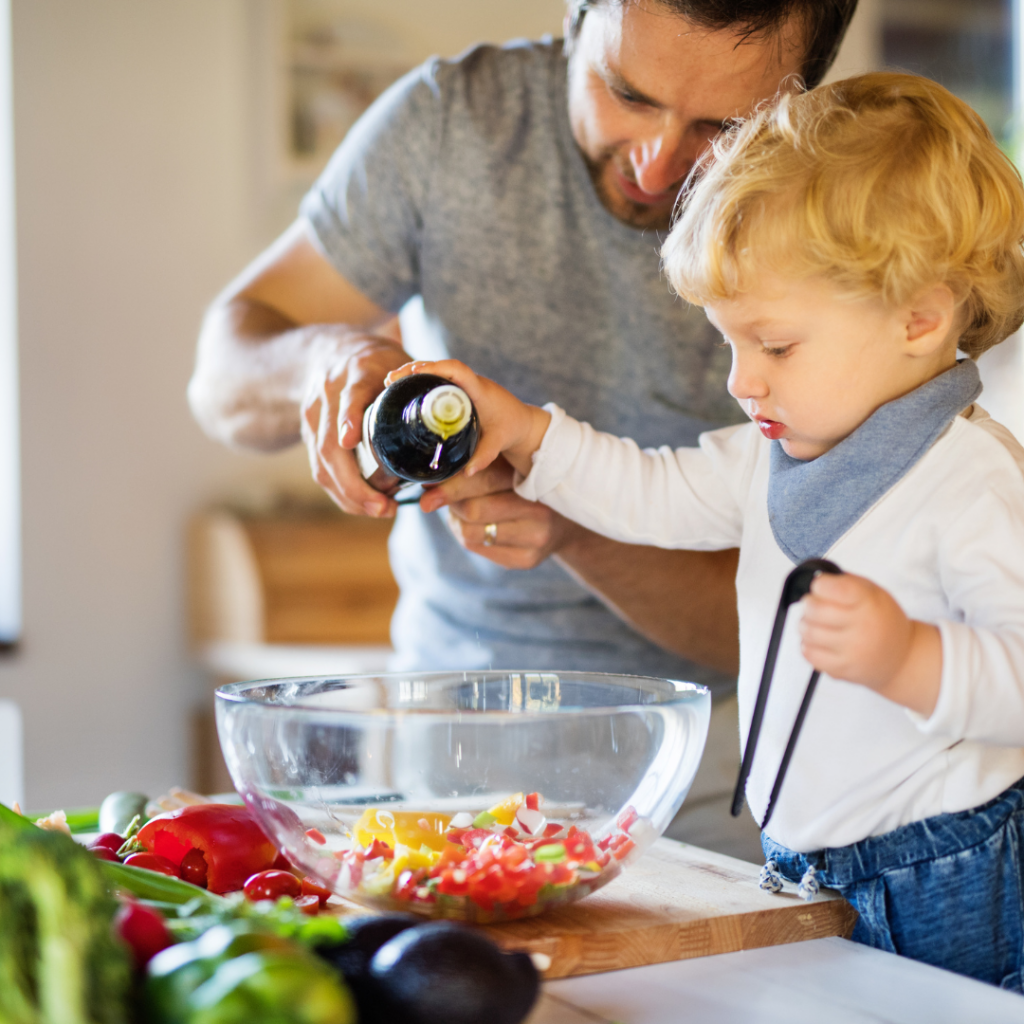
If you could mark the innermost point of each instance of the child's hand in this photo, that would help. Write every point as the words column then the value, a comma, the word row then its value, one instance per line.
column 506, row 425
column 855, row 630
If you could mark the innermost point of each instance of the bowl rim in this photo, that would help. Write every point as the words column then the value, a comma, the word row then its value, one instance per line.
column 234, row 693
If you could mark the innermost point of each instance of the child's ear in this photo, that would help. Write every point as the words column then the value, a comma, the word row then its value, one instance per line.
column 930, row 321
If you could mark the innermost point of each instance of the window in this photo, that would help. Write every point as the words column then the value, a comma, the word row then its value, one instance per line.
column 10, row 533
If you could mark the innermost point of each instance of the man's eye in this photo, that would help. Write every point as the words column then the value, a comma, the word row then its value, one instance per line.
column 628, row 97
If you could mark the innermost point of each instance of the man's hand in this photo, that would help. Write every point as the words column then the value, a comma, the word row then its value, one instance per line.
column 855, row 631
column 337, row 394
column 525, row 532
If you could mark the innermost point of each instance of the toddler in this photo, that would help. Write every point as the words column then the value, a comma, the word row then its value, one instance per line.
column 847, row 242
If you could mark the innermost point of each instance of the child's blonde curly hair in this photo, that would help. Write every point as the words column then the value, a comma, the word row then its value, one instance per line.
column 884, row 184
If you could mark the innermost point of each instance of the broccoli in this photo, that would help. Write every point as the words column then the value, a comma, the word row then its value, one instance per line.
column 59, row 960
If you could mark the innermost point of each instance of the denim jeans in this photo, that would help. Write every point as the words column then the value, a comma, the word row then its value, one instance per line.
column 947, row 890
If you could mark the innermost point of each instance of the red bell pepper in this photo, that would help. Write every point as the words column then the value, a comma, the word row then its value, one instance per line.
column 232, row 843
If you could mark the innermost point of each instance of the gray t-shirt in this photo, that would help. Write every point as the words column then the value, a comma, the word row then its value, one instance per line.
column 462, row 197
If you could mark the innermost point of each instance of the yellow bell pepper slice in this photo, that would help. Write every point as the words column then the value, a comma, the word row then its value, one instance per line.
column 505, row 812
column 405, row 828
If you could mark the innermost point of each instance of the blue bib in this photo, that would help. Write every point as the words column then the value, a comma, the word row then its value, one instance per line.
column 812, row 504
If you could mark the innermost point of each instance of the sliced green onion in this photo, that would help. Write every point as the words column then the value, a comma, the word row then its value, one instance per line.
column 484, row 820
column 152, row 885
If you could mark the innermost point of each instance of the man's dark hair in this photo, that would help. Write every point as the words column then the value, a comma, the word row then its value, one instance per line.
column 824, row 21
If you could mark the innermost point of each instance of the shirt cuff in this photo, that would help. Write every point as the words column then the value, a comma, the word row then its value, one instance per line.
column 554, row 458
column 949, row 716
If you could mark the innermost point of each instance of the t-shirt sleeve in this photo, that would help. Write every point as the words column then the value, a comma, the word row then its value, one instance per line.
column 981, row 696
column 366, row 209
column 671, row 498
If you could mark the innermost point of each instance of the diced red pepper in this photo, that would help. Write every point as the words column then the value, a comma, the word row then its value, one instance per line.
column 627, row 818
column 476, row 837
column 378, row 848
column 623, row 849
column 316, row 836
column 233, row 844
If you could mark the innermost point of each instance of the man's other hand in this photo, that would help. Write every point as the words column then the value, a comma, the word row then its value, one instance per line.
column 522, row 533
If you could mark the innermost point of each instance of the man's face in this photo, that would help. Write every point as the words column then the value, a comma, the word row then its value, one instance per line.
column 648, row 91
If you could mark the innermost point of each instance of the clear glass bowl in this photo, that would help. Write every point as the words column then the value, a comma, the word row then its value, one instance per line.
column 482, row 796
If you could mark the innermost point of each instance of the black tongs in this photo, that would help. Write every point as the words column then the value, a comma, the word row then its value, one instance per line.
column 797, row 585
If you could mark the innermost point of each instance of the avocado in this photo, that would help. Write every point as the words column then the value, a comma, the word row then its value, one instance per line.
column 445, row 973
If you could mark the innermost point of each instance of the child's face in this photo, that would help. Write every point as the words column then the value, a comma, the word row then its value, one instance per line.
column 810, row 364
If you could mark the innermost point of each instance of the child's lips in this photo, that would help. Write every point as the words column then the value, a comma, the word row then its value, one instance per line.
column 771, row 429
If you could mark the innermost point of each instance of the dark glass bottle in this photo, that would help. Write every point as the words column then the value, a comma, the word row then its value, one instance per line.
column 421, row 430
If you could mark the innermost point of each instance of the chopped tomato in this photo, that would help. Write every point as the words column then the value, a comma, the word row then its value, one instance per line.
column 311, row 888
column 272, row 885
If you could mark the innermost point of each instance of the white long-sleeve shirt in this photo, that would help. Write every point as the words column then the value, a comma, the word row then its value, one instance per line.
column 947, row 541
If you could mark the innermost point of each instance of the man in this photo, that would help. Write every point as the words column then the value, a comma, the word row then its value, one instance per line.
column 517, row 195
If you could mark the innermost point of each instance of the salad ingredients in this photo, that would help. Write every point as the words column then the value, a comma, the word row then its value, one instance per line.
column 238, row 973
column 152, row 862
column 194, row 868
column 312, row 888
column 55, row 822
column 233, row 845
column 272, row 885
column 59, row 960
column 109, row 841
column 143, row 929
column 409, row 828
column 444, row 973
column 118, row 810
column 514, row 863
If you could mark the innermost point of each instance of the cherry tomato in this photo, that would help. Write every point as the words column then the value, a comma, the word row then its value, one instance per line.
column 272, row 885
column 104, row 853
column 193, row 867
column 144, row 931
column 152, row 862
column 308, row 904
column 109, row 841
column 311, row 888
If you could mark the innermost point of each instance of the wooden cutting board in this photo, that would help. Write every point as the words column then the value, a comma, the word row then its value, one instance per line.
column 676, row 902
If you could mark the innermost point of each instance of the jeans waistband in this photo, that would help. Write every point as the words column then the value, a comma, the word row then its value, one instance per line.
column 940, row 836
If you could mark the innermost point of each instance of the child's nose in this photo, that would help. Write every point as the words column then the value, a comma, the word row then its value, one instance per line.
column 745, row 382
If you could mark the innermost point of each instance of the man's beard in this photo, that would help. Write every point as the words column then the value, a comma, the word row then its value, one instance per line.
column 636, row 215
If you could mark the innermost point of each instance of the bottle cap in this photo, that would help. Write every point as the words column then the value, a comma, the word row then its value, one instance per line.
column 446, row 410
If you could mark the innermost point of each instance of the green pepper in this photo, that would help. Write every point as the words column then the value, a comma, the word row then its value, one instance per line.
column 283, row 987
column 174, row 974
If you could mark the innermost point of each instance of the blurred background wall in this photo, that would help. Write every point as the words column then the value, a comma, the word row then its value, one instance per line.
column 156, row 152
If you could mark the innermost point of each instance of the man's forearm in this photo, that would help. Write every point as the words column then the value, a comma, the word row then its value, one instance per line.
column 684, row 601
column 253, row 368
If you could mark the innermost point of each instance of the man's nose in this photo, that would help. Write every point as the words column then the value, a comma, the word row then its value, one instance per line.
column 661, row 162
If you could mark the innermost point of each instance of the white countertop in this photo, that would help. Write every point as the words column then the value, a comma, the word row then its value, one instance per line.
column 825, row 981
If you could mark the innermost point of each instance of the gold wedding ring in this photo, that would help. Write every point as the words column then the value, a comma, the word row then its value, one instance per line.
column 490, row 534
